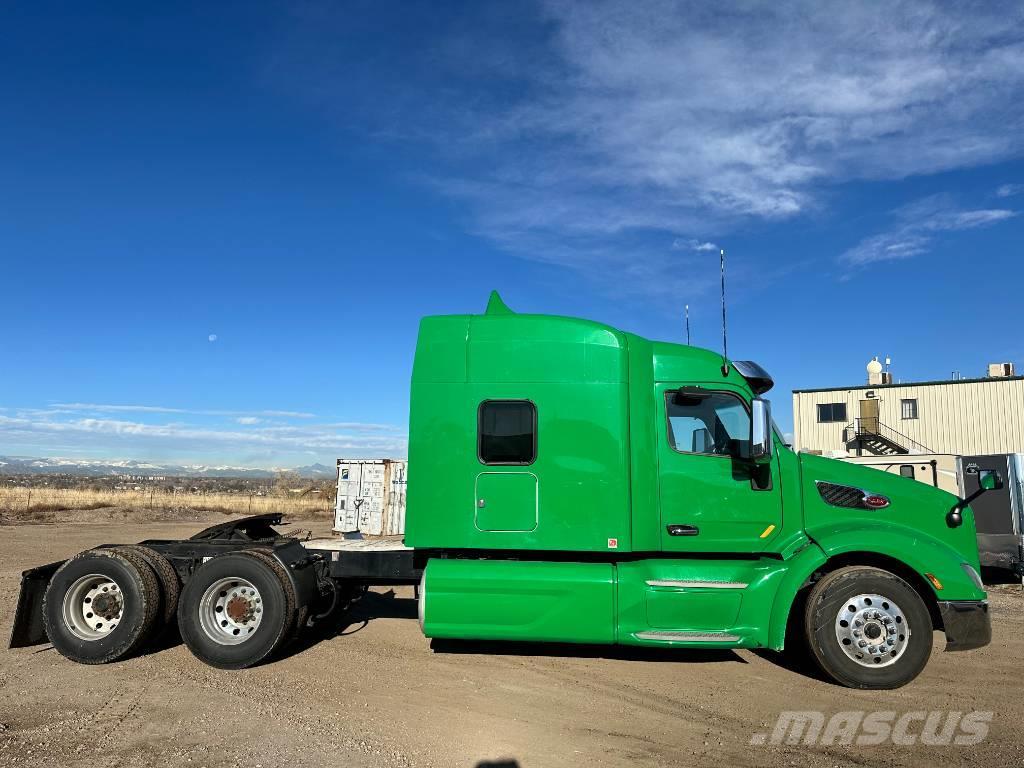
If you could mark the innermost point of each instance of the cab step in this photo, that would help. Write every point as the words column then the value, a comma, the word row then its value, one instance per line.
column 678, row 636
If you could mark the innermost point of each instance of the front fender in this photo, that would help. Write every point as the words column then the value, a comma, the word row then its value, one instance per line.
column 799, row 569
column 921, row 553
column 924, row 553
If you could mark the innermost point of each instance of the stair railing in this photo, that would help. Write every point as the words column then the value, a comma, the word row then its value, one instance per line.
column 871, row 427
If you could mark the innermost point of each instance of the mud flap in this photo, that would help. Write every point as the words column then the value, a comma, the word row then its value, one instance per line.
column 28, row 618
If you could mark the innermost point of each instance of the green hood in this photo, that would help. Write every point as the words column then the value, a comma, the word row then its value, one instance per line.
column 914, row 520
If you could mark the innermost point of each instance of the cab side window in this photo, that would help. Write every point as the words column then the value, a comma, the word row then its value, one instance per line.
column 507, row 432
column 713, row 423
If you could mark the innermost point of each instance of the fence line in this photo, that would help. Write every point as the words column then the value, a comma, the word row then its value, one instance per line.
column 22, row 499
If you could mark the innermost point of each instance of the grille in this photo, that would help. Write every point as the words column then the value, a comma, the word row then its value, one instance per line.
column 842, row 495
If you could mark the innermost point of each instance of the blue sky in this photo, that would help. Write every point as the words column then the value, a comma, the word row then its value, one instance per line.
column 220, row 224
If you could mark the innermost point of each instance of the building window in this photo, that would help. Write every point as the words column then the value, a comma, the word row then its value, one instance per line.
column 507, row 432
column 908, row 409
column 713, row 423
column 830, row 412
column 907, row 470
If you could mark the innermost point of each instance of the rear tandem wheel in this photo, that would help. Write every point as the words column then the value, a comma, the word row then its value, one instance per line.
column 237, row 609
column 101, row 605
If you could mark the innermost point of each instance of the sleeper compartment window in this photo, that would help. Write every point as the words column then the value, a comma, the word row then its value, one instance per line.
column 507, row 432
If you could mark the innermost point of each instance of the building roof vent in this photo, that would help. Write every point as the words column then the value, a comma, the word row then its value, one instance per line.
column 1000, row 370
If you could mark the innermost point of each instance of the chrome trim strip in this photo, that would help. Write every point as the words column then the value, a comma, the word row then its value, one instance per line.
column 687, row 637
column 696, row 583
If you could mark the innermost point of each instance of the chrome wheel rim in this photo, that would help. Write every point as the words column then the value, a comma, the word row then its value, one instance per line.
column 872, row 630
column 93, row 607
column 230, row 611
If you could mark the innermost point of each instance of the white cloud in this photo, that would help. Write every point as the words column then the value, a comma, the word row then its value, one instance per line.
column 247, row 420
column 675, row 118
column 603, row 132
column 917, row 225
column 117, row 408
column 117, row 435
column 361, row 427
column 693, row 245
column 105, row 408
column 1009, row 190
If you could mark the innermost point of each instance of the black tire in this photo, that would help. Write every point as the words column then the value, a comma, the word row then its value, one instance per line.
column 203, row 608
column 89, row 638
column 834, row 599
column 170, row 584
column 294, row 625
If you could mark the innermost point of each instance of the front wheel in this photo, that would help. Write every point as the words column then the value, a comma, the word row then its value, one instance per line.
column 868, row 628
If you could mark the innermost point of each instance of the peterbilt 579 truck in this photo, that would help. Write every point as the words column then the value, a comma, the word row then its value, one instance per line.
column 573, row 483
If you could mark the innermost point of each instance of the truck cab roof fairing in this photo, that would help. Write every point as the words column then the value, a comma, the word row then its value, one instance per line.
column 758, row 378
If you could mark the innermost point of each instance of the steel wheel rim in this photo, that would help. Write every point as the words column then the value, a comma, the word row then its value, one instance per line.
column 230, row 610
column 93, row 607
column 872, row 630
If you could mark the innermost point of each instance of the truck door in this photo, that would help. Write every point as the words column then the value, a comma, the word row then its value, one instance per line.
column 711, row 499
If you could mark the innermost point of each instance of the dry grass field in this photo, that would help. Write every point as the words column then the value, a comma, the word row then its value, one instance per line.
column 20, row 504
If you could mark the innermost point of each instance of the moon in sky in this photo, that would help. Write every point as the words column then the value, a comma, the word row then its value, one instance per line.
column 212, row 337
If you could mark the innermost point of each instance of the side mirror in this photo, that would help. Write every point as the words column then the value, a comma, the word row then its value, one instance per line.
column 990, row 480
column 760, row 431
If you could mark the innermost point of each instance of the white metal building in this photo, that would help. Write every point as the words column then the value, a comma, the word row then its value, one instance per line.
column 956, row 416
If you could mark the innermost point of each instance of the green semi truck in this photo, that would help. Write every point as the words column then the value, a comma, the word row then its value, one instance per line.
column 572, row 483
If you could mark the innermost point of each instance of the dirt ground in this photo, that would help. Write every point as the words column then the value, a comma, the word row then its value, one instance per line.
column 376, row 694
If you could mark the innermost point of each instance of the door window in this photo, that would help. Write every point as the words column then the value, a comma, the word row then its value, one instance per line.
column 714, row 423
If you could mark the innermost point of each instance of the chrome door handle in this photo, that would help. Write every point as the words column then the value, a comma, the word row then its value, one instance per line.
column 682, row 530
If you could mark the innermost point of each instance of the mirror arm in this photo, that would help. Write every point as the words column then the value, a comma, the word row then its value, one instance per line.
column 955, row 518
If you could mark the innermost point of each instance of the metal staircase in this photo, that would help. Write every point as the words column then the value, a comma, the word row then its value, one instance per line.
column 869, row 434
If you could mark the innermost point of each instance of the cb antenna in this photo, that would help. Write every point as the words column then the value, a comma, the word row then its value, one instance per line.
column 725, row 337
column 687, row 325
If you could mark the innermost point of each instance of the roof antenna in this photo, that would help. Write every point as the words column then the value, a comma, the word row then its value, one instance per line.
column 687, row 325
column 725, row 338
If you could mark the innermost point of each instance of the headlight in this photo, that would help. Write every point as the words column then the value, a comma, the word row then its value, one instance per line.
column 973, row 574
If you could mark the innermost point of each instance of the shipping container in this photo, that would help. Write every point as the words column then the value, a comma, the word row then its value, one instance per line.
column 371, row 497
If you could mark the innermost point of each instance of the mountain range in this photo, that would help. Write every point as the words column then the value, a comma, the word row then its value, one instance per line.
column 21, row 465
